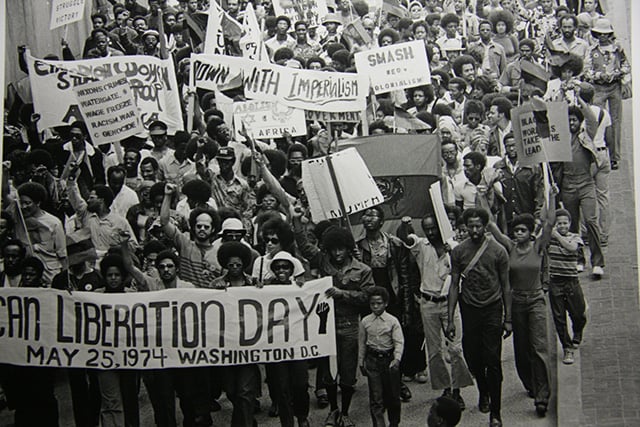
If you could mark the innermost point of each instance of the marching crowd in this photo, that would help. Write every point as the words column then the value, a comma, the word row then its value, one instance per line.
column 199, row 209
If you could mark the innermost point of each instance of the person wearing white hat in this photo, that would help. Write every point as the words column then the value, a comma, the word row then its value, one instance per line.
column 606, row 67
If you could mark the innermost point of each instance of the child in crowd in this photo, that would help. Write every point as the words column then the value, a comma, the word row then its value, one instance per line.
column 565, row 292
column 379, row 352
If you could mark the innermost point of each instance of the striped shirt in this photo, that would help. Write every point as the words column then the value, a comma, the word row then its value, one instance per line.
column 562, row 262
column 197, row 265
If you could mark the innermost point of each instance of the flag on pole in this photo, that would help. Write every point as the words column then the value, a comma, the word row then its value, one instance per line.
column 251, row 42
column 214, row 38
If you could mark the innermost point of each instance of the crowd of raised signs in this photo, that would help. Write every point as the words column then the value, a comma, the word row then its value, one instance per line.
column 198, row 208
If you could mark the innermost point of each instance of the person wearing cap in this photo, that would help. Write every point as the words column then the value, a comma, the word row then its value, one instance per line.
column 233, row 230
column 606, row 67
column 533, row 83
column 150, row 44
column 158, row 134
column 331, row 23
column 281, row 39
column 230, row 190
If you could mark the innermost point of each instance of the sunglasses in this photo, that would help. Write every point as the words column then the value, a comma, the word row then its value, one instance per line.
column 167, row 266
column 273, row 240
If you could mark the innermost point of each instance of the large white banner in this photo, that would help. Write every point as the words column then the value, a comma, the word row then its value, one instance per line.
column 305, row 89
column 394, row 67
column 166, row 329
column 152, row 81
column 267, row 119
column 109, row 109
column 65, row 12
column 357, row 187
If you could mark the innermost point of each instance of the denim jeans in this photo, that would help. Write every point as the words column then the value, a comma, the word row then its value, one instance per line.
column 579, row 193
column 565, row 295
column 434, row 320
column 347, row 355
column 611, row 93
column 601, row 180
column 120, row 404
column 290, row 382
column 529, row 316
column 482, row 347
column 384, row 389
column 85, row 397
column 242, row 384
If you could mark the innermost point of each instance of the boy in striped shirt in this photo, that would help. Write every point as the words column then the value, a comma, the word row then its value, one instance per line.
column 565, row 292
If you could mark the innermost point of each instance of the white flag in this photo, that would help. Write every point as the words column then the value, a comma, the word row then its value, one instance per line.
column 214, row 38
column 251, row 42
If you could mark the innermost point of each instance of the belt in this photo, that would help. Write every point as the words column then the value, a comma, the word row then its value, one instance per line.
column 380, row 354
column 601, row 148
column 431, row 298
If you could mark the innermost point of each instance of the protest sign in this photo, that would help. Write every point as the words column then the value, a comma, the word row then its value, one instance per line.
column 305, row 89
column 213, row 72
column 166, row 329
column 310, row 11
column 108, row 109
column 65, row 12
column 329, row 117
column 251, row 43
column 446, row 231
column 403, row 167
column 394, row 67
column 541, row 132
column 357, row 187
column 152, row 81
column 268, row 119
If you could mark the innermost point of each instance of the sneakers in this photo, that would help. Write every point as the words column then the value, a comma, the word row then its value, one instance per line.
column 568, row 356
column 614, row 165
column 322, row 399
column 495, row 422
column 483, row 404
column 347, row 422
column 407, row 378
column 597, row 272
column 580, row 268
column 333, row 419
column 421, row 377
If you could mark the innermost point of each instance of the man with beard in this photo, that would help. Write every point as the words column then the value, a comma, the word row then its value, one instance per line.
column 13, row 253
column 124, row 197
column 485, row 305
column 296, row 154
column 96, row 215
column 149, row 169
column 569, row 43
column 41, row 232
column 196, row 255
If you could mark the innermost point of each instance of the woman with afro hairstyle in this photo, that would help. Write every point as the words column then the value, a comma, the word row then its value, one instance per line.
column 565, row 80
column 502, row 22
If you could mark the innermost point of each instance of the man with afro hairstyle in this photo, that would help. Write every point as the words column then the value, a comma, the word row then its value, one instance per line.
column 351, row 279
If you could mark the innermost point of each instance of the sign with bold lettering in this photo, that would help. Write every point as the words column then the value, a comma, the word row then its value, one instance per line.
column 310, row 11
column 541, row 132
column 109, row 109
column 306, row 89
column 65, row 12
column 268, row 119
column 328, row 117
column 152, row 81
column 172, row 328
column 357, row 187
column 394, row 67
